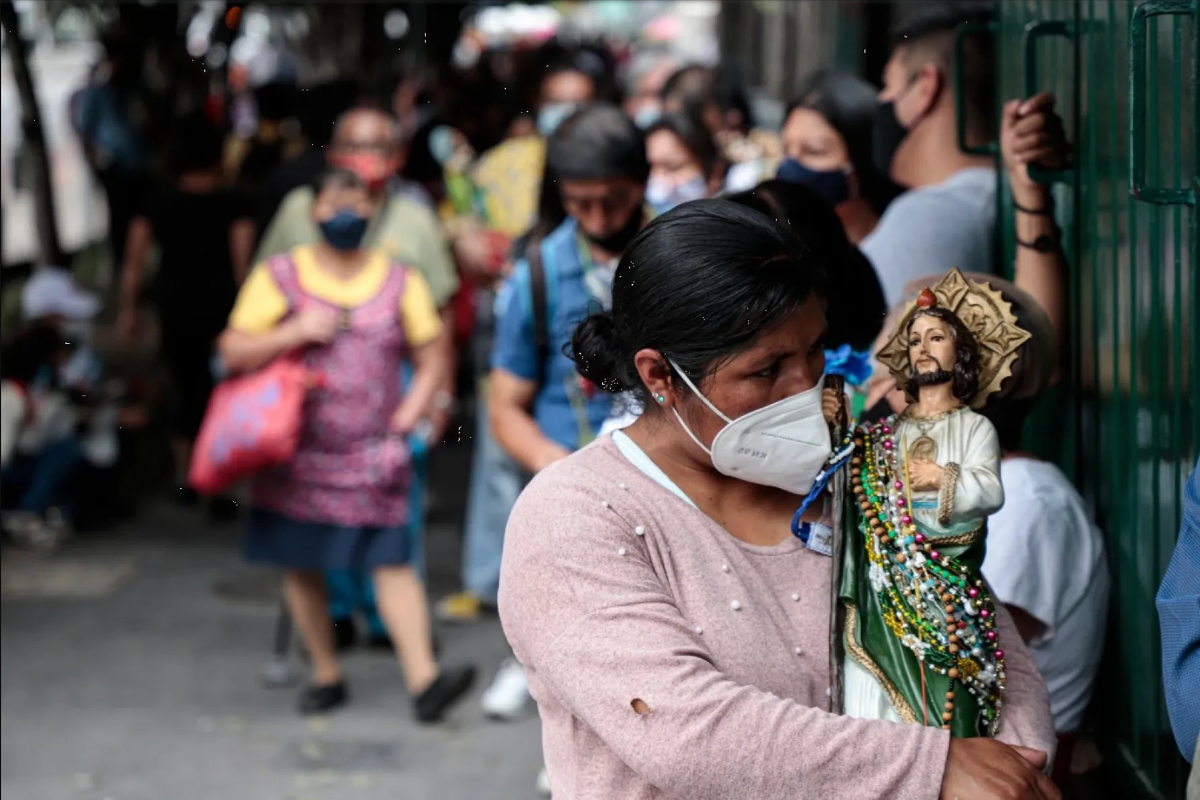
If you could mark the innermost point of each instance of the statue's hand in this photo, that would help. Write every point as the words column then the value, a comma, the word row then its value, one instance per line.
column 831, row 405
column 924, row 475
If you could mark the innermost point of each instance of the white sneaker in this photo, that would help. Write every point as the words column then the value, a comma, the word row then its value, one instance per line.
column 508, row 696
column 42, row 534
column 543, row 783
column 17, row 523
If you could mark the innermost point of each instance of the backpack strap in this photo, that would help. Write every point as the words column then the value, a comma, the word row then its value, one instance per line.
column 538, row 305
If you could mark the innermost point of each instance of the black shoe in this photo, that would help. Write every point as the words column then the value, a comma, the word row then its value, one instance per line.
column 449, row 687
column 319, row 699
column 187, row 497
column 345, row 635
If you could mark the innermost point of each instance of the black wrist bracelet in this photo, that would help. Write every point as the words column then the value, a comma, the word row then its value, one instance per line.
column 1045, row 211
column 1042, row 244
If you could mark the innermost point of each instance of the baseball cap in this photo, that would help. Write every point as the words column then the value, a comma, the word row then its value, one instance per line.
column 52, row 292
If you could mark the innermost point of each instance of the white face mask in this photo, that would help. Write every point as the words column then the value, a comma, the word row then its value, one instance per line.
column 664, row 196
column 783, row 445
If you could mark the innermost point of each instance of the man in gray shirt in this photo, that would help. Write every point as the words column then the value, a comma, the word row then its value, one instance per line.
column 946, row 217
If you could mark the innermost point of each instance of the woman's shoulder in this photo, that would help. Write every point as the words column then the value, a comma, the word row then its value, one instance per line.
column 582, row 473
column 414, row 279
column 578, row 539
column 406, row 209
column 584, row 496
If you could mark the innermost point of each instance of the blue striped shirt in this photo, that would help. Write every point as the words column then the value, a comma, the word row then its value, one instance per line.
column 1178, row 604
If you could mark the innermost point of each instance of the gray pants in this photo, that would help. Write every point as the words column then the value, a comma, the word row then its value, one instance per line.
column 496, row 481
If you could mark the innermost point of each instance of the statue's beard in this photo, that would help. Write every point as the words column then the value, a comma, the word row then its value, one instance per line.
column 934, row 377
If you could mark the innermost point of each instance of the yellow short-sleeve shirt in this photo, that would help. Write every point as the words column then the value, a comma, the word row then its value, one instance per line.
column 261, row 304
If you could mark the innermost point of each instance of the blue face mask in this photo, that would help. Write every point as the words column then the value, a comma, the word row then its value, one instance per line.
column 552, row 115
column 832, row 185
column 344, row 230
column 647, row 116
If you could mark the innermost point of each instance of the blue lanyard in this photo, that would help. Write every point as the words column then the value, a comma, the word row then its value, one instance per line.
column 837, row 459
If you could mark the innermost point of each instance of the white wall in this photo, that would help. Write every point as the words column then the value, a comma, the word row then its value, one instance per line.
column 81, row 213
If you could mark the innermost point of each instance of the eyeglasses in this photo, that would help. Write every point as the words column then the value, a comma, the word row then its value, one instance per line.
column 370, row 148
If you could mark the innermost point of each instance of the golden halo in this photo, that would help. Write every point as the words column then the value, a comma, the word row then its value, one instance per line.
column 985, row 312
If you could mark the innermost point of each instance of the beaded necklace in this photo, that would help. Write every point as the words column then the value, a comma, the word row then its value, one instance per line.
column 930, row 602
column 837, row 459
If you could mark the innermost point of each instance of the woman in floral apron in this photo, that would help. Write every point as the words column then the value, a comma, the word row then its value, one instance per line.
column 342, row 502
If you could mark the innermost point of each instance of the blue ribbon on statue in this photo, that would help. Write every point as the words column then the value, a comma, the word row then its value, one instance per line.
column 853, row 365
column 837, row 459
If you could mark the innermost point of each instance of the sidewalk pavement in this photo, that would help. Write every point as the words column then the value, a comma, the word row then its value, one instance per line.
column 129, row 669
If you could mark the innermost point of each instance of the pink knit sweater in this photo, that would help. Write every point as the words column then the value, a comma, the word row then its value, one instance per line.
column 614, row 589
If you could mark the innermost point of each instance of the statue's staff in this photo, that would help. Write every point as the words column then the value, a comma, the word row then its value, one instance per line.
column 916, row 583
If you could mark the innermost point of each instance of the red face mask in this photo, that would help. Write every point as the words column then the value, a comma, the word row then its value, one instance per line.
column 372, row 169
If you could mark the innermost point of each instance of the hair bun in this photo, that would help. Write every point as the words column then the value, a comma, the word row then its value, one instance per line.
column 597, row 353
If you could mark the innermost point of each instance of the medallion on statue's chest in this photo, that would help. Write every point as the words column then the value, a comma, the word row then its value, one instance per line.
column 923, row 449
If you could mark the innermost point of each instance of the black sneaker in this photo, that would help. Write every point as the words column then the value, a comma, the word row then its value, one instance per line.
column 447, row 689
column 319, row 699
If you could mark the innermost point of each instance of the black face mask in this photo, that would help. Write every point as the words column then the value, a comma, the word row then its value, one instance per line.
column 616, row 243
column 886, row 136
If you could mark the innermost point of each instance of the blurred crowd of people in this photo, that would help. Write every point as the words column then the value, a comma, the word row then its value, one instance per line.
column 432, row 249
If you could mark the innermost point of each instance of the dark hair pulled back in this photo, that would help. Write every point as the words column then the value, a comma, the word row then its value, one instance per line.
column 855, row 309
column 699, row 284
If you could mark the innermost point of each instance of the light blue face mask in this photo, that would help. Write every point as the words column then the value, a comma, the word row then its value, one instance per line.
column 663, row 196
column 551, row 115
column 647, row 116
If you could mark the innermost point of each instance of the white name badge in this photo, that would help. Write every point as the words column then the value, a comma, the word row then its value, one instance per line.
column 820, row 538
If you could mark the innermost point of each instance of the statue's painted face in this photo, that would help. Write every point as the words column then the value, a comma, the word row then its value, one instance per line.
column 930, row 346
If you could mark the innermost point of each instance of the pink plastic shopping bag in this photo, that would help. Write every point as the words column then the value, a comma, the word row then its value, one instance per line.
column 253, row 421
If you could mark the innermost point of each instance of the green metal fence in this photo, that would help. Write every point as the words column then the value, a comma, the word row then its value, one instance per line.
column 1126, row 428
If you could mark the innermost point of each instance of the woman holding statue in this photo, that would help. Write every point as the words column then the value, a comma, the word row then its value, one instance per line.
column 679, row 639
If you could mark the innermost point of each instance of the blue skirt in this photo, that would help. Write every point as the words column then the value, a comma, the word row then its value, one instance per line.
column 280, row 541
